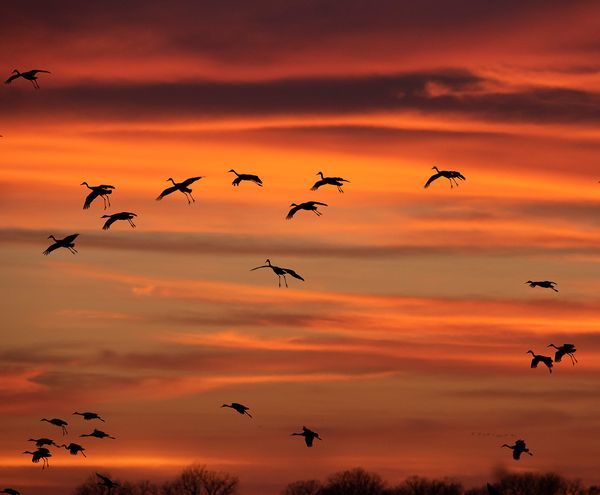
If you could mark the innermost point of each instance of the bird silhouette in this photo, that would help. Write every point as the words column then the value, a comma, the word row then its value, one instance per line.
column 40, row 442
column 451, row 175
column 567, row 349
column 30, row 75
column 40, row 454
column 518, row 448
column 308, row 435
column 88, row 416
column 74, row 449
column 106, row 482
column 61, row 423
column 67, row 242
column 280, row 272
column 538, row 358
column 492, row 490
column 98, row 434
column 241, row 408
column 248, row 177
column 11, row 491
column 546, row 284
column 123, row 215
column 181, row 187
column 333, row 181
column 308, row 206
column 103, row 190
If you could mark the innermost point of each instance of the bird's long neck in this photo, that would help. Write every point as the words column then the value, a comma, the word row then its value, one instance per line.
column 86, row 184
column 174, row 183
column 235, row 172
column 54, row 239
column 321, row 174
column 552, row 345
column 532, row 353
column 436, row 169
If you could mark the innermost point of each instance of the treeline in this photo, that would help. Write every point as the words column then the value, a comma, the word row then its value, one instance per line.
column 198, row 480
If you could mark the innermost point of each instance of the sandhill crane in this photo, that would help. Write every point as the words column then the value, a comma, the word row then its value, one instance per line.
column 308, row 435
column 248, row 177
column 40, row 454
column 181, row 187
column 88, row 416
column 61, row 423
column 106, row 482
column 545, row 284
column 40, row 442
column 98, row 434
column 538, row 358
column 280, row 272
column 333, row 181
column 567, row 349
column 103, row 190
column 241, row 408
column 30, row 75
column 67, row 242
column 518, row 448
column 451, row 175
column 10, row 491
column 74, row 449
column 123, row 215
column 308, row 206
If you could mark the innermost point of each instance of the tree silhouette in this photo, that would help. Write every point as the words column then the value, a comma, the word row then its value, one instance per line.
column 305, row 487
column 423, row 486
column 198, row 480
column 355, row 481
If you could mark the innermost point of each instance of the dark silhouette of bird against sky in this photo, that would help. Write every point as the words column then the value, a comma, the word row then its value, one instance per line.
column 106, row 482
column 308, row 206
column 123, row 215
column 98, row 434
column 241, row 408
column 333, row 181
column 41, row 454
column 74, row 449
column 518, row 449
column 247, row 177
column 41, row 442
column 451, row 175
column 545, row 284
column 103, row 191
column 67, row 242
column 538, row 358
column 565, row 349
column 309, row 436
column 280, row 272
column 11, row 491
column 181, row 187
column 61, row 423
column 88, row 416
column 30, row 75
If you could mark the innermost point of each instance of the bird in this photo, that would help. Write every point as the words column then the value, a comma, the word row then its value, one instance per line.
column 103, row 190
column 546, row 284
column 106, row 482
column 280, row 272
column 123, row 215
column 40, row 454
column 88, row 416
column 11, row 491
column 451, row 175
column 40, row 442
column 492, row 490
column 248, row 177
column 537, row 358
column 181, row 187
column 74, row 449
column 567, row 349
column 308, row 435
column 98, row 434
column 241, row 408
column 30, row 75
column 67, row 242
column 518, row 448
column 309, row 206
column 57, row 422
column 333, row 181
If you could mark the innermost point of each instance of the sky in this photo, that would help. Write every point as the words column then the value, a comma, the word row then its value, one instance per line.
column 405, row 346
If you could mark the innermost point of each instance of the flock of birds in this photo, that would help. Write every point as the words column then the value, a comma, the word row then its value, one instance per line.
column 104, row 191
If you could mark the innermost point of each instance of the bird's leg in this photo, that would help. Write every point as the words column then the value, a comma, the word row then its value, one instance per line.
column 279, row 280
column 104, row 200
column 340, row 189
column 285, row 280
column 192, row 197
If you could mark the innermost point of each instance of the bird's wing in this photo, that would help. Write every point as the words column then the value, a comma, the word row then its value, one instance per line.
column 558, row 355
column 35, row 71
column 339, row 179
column 431, row 179
column 516, row 454
column 309, row 440
column 69, row 239
column 293, row 273
column 460, row 176
column 534, row 362
column 236, row 181
column 167, row 191
column 317, row 203
column 103, row 478
column 318, row 184
column 109, row 222
column 106, row 186
column 263, row 266
column 189, row 181
column 292, row 212
column 256, row 179
column 91, row 197
column 12, row 78
column 51, row 248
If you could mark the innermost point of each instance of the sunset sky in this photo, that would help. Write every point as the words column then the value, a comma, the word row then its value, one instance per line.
column 405, row 348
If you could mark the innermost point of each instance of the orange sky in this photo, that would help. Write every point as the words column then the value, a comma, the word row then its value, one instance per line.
column 405, row 346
